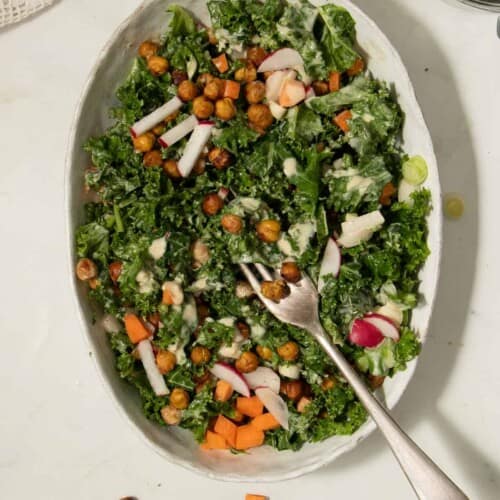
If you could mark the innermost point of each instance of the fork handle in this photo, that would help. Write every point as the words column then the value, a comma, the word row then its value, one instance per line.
column 427, row 479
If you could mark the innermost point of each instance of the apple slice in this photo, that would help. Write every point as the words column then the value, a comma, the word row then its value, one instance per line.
column 194, row 147
column 145, row 350
column 263, row 377
column 292, row 92
column 281, row 59
column 273, row 85
column 277, row 111
column 370, row 221
column 332, row 259
column 349, row 240
column 228, row 373
column 385, row 325
column 150, row 121
column 365, row 334
column 274, row 404
column 176, row 133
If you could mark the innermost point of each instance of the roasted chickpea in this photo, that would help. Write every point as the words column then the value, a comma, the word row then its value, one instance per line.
column 166, row 361
column 376, row 381
column 256, row 55
column 171, row 415
column 268, row 230
column 159, row 129
column 212, row 204
column 255, row 92
column 86, row 269
column 260, row 115
column 292, row 389
column 320, row 87
column 244, row 290
column 199, row 166
column 275, row 290
column 247, row 362
column 187, row 91
column 179, row 398
column 144, row 143
column 289, row 351
column 219, row 158
column 157, row 65
column 247, row 73
column 243, row 328
column 303, row 403
column 94, row 283
column 290, row 272
column 225, row 109
column 200, row 355
column 200, row 252
column 213, row 89
column 232, row 223
column 115, row 269
column 148, row 49
column 203, row 108
column 205, row 78
column 171, row 169
column 264, row 352
column 152, row 159
column 328, row 384
column 178, row 76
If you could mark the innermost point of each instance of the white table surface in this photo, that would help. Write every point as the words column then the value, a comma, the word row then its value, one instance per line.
column 60, row 435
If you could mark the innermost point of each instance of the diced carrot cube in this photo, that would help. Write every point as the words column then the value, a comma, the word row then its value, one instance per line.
column 356, row 68
column 215, row 441
column 341, row 120
column 220, row 62
column 248, row 436
column 135, row 328
column 227, row 429
column 265, row 422
column 223, row 391
column 251, row 407
column 251, row 496
column 334, row 81
column 231, row 89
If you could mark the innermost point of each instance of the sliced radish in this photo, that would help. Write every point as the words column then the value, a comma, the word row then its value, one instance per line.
column 263, row 377
column 369, row 221
column 392, row 311
column 274, row 404
column 226, row 372
column 405, row 191
column 155, row 378
column 310, row 92
column 277, row 111
column 385, row 325
column 349, row 240
column 365, row 334
column 332, row 258
column 292, row 92
column 273, row 85
column 194, row 147
column 178, row 132
column 151, row 120
column 223, row 193
column 281, row 59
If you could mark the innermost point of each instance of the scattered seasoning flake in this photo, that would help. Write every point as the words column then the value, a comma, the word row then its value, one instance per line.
column 453, row 205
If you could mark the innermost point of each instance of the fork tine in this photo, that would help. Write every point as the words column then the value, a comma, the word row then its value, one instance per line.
column 264, row 272
column 252, row 279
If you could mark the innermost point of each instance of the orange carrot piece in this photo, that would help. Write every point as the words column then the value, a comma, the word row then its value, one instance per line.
column 214, row 441
column 223, row 391
column 231, row 89
column 238, row 416
column 341, row 120
column 220, row 62
column 227, row 429
column 356, row 68
column 251, row 407
column 135, row 328
column 251, row 496
column 248, row 436
column 334, row 81
column 265, row 422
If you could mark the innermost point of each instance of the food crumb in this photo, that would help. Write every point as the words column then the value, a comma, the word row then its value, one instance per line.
column 426, row 70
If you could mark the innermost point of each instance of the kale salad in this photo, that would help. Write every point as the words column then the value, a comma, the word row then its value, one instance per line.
column 263, row 139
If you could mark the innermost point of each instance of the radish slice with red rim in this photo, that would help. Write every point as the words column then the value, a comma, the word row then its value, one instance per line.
column 229, row 374
column 176, row 133
column 263, row 377
column 223, row 193
column 275, row 405
column 150, row 121
column 194, row 147
column 332, row 259
column 145, row 350
column 281, row 59
column 385, row 325
column 365, row 334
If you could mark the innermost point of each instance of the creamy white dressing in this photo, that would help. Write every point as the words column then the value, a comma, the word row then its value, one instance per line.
column 359, row 183
column 256, row 331
column 178, row 351
column 349, row 172
column 146, row 281
column 290, row 167
column 250, row 204
column 229, row 321
column 157, row 248
column 190, row 314
column 367, row 118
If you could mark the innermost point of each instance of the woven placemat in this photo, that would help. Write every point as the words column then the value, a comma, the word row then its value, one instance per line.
column 13, row 11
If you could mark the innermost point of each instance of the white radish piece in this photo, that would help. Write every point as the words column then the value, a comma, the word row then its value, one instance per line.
column 263, row 377
column 277, row 111
column 176, row 133
column 110, row 324
column 150, row 121
column 273, row 85
column 274, row 404
column 370, row 221
column 145, row 350
column 332, row 259
column 385, row 325
column 405, row 191
column 226, row 372
column 281, row 59
column 194, row 147
column 349, row 240
column 392, row 311
column 292, row 92
column 365, row 334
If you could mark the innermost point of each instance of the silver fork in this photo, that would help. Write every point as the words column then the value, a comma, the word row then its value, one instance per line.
column 300, row 308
